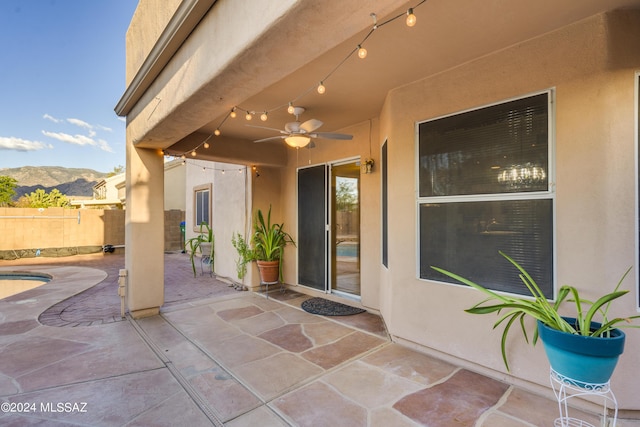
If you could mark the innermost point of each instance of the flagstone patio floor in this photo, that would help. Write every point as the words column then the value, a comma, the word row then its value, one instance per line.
column 217, row 356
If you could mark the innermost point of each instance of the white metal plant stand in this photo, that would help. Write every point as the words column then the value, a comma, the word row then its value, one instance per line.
column 267, row 286
column 566, row 388
column 206, row 263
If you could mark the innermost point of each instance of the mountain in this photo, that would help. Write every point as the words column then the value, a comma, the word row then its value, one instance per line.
column 69, row 181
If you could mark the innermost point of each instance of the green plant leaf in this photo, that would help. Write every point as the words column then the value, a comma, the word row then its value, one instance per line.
column 510, row 308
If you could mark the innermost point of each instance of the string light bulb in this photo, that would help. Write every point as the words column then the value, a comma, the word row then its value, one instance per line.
column 193, row 153
column 183, row 157
column 216, row 132
column 362, row 52
column 206, row 145
column 264, row 117
column 411, row 18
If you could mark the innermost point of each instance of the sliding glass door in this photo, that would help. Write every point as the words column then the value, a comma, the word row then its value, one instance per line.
column 345, row 228
column 329, row 227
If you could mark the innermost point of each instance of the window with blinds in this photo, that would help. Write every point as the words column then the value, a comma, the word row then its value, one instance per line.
column 202, row 204
column 483, row 188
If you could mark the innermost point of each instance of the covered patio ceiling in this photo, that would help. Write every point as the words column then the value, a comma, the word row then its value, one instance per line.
column 447, row 34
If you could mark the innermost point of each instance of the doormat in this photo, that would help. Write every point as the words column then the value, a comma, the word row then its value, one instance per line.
column 329, row 308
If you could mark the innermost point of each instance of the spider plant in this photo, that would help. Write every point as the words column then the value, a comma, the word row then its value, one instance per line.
column 205, row 236
column 269, row 239
column 515, row 309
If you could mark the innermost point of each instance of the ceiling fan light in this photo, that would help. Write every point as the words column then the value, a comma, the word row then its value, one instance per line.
column 297, row 141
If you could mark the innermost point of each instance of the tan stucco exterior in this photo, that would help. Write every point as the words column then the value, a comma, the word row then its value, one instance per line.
column 229, row 207
column 175, row 181
column 595, row 185
column 590, row 65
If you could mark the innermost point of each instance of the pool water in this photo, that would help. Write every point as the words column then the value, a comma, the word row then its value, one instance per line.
column 15, row 283
column 347, row 250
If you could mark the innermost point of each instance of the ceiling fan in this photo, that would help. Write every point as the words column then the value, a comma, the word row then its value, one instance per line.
column 298, row 135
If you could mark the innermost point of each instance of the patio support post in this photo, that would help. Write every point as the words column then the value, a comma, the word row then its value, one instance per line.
column 144, row 231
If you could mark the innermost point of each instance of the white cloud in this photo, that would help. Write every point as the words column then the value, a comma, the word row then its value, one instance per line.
column 77, row 139
column 51, row 118
column 80, row 123
column 71, row 139
column 104, row 128
column 81, row 140
column 19, row 144
column 104, row 146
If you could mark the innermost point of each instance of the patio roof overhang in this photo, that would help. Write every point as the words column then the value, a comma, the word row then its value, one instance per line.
column 303, row 43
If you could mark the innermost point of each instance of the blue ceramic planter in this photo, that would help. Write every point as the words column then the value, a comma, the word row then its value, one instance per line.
column 588, row 360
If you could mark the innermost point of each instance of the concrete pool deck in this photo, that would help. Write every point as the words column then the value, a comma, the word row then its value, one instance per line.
column 231, row 358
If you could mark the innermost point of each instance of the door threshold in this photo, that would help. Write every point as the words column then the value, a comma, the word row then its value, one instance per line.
column 346, row 295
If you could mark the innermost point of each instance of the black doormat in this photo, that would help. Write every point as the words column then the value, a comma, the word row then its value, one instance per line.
column 329, row 308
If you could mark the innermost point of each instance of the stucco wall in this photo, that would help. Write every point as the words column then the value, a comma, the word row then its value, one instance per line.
column 229, row 207
column 230, row 214
column 148, row 22
column 595, row 188
column 31, row 229
column 175, row 186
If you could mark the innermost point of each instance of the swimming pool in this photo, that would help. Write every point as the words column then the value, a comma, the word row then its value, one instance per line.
column 347, row 249
column 12, row 283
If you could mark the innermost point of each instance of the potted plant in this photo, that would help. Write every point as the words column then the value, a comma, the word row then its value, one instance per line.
column 268, row 242
column 204, row 242
column 245, row 254
column 578, row 348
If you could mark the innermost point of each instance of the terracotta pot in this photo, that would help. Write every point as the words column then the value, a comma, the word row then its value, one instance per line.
column 269, row 271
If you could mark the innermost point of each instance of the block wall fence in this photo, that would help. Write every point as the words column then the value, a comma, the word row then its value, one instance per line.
column 27, row 232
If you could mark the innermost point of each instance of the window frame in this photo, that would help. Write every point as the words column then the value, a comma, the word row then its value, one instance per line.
column 197, row 189
column 384, row 199
column 637, row 181
column 548, row 194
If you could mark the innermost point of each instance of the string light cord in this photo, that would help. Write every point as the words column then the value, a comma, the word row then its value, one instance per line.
column 290, row 103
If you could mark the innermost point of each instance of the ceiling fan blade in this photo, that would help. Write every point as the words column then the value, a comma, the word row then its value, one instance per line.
column 271, row 138
column 264, row 127
column 311, row 125
column 330, row 135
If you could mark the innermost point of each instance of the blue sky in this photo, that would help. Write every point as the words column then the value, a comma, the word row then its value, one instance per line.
column 62, row 71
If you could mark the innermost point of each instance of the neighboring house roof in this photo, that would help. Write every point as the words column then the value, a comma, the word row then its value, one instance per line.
column 111, row 191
